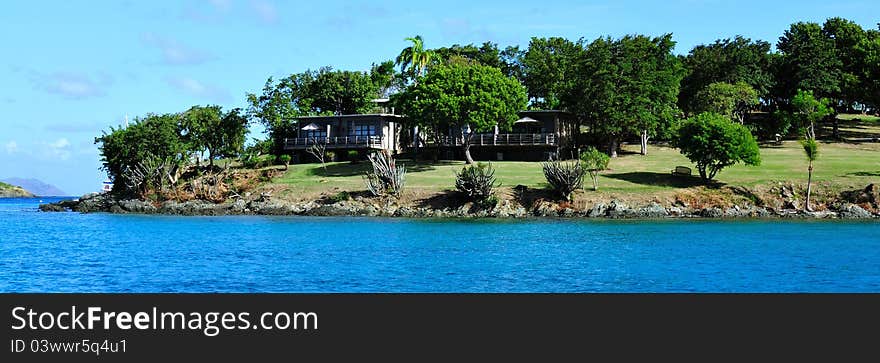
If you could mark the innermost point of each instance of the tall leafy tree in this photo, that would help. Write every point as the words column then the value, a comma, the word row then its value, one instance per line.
column 279, row 103
column 472, row 98
column 730, row 61
column 546, row 68
column 209, row 129
column 341, row 92
column 846, row 35
column 731, row 100
column 626, row 87
column 415, row 59
column 809, row 61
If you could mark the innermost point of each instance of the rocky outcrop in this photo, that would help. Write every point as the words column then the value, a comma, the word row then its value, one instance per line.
column 360, row 206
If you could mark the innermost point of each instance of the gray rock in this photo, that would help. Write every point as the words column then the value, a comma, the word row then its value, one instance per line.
column 712, row 212
column 598, row 210
column 852, row 211
column 137, row 206
column 654, row 210
column 52, row 207
column 618, row 209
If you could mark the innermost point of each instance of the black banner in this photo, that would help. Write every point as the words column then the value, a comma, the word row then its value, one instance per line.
column 173, row 327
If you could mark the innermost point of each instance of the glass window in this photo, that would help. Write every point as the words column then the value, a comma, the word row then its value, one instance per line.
column 315, row 134
column 363, row 130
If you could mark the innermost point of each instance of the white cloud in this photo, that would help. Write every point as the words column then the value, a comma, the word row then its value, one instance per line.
column 11, row 147
column 59, row 149
column 174, row 52
column 71, row 85
column 265, row 11
column 200, row 89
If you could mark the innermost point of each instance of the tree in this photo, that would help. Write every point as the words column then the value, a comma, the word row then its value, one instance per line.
column 414, row 60
column 713, row 143
column 279, row 104
column 731, row 100
column 594, row 161
column 730, row 61
column 546, row 67
column 809, row 61
column 153, row 139
column 341, row 92
column 808, row 111
column 209, row 129
column 470, row 98
column 811, row 151
column 845, row 36
column 626, row 87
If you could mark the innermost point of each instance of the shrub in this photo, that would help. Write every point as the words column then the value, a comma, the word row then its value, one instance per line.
column 285, row 159
column 386, row 178
column 713, row 142
column 354, row 156
column 564, row 176
column 476, row 181
column 594, row 162
column 341, row 196
column 250, row 160
column 331, row 156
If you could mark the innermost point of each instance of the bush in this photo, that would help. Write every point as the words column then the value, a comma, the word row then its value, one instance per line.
column 476, row 181
column 386, row 178
column 354, row 156
column 713, row 142
column 594, row 162
column 250, row 160
column 564, row 176
column 341, row 196
column 284, row 159
column 331, row 156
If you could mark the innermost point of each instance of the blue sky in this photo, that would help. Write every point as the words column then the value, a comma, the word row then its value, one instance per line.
column 71, row 69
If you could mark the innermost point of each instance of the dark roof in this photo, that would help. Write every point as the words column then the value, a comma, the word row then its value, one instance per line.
column 336, row 117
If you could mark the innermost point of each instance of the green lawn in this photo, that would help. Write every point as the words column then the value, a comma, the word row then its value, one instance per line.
column 844, row 164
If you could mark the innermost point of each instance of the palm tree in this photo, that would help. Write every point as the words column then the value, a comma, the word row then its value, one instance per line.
column 413, row 60
column 811, row 150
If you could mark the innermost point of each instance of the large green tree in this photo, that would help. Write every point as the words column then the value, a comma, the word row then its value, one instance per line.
column 278, row 104
column 547, row 67
column 341, row 92
column 713, row 143
column 209, row 129
column 730, row 61
column 809, row 61
column 731, row 100
column 626, row 87
column 472, row 98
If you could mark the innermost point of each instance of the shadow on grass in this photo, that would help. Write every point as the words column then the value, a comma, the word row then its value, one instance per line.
column 659, row 179
column 361, row 167
column 864, row 173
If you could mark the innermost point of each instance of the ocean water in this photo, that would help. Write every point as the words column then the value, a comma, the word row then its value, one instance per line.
column 72, row 252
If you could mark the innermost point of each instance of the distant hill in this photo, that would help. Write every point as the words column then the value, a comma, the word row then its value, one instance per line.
column 12, row 191
column 37, row 187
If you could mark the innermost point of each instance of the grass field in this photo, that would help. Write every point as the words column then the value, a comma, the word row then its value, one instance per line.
column 849, row 165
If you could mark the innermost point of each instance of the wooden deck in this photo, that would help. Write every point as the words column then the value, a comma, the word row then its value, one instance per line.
column 500, row 140
column 348, row 142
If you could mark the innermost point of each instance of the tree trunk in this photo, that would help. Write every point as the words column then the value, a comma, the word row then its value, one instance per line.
column 467, row 152
column 613, row 149
column 211, row 159
column 644, row 142
column 809, row 187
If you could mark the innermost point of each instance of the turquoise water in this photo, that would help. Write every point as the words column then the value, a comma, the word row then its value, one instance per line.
column 71, row 252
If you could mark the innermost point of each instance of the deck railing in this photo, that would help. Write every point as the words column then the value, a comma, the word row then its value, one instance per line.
column 337, row 142
column 499, row 140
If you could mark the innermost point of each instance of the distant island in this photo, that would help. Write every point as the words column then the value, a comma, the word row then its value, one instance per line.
column 12, row 191
column 35, row 186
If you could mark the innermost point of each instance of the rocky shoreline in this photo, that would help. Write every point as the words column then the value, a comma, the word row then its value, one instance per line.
column 361, row 206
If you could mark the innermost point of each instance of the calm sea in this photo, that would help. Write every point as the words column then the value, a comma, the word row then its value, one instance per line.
column 71, row 252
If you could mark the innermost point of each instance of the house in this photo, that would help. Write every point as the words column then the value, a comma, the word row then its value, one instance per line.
column 344, row 133
column 536, row 136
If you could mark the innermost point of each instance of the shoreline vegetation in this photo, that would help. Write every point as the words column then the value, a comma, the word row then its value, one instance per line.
column 635, row 187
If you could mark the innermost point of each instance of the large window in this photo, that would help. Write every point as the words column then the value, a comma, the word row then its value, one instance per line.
column 315, row 134
column 363, row 130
